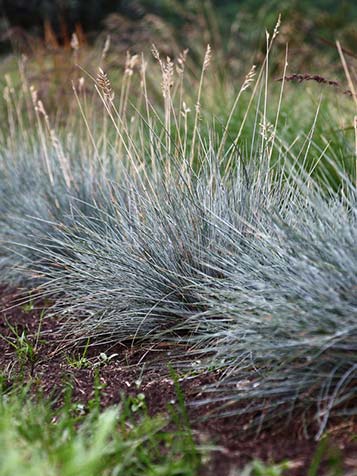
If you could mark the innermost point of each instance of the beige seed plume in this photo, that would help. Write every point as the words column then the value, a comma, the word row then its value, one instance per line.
column 277, row 26
column 34, row 95
column 81, row 81
column 167, row 76
column 249, row 78
column 74, row 42
column 104, row 84
column 106, row 47
column 155, row 53
column 167, row 70
column 180, row 67
column 130, row 63
column 207, row 59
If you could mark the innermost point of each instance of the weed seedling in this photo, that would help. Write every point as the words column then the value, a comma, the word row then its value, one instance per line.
column 79, row 361
column 26, row 348
column 104, row 359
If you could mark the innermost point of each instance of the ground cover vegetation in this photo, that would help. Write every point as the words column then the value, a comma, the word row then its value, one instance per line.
column 213, row 221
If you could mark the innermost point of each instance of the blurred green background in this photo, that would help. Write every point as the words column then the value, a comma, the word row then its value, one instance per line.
column 40, row 33
column 310, row 28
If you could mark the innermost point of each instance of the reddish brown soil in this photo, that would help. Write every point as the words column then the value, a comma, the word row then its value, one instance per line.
column 52, row 373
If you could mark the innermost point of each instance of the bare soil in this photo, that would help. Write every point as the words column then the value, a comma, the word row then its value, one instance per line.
column 53, row 371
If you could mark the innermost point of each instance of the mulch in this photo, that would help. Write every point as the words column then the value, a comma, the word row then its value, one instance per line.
column 52, row 373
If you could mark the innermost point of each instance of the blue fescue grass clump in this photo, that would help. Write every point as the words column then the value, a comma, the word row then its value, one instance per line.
column 291, row 341
column 36, row 205
column 151, row 235
column 147, row 261
column 254, row 270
